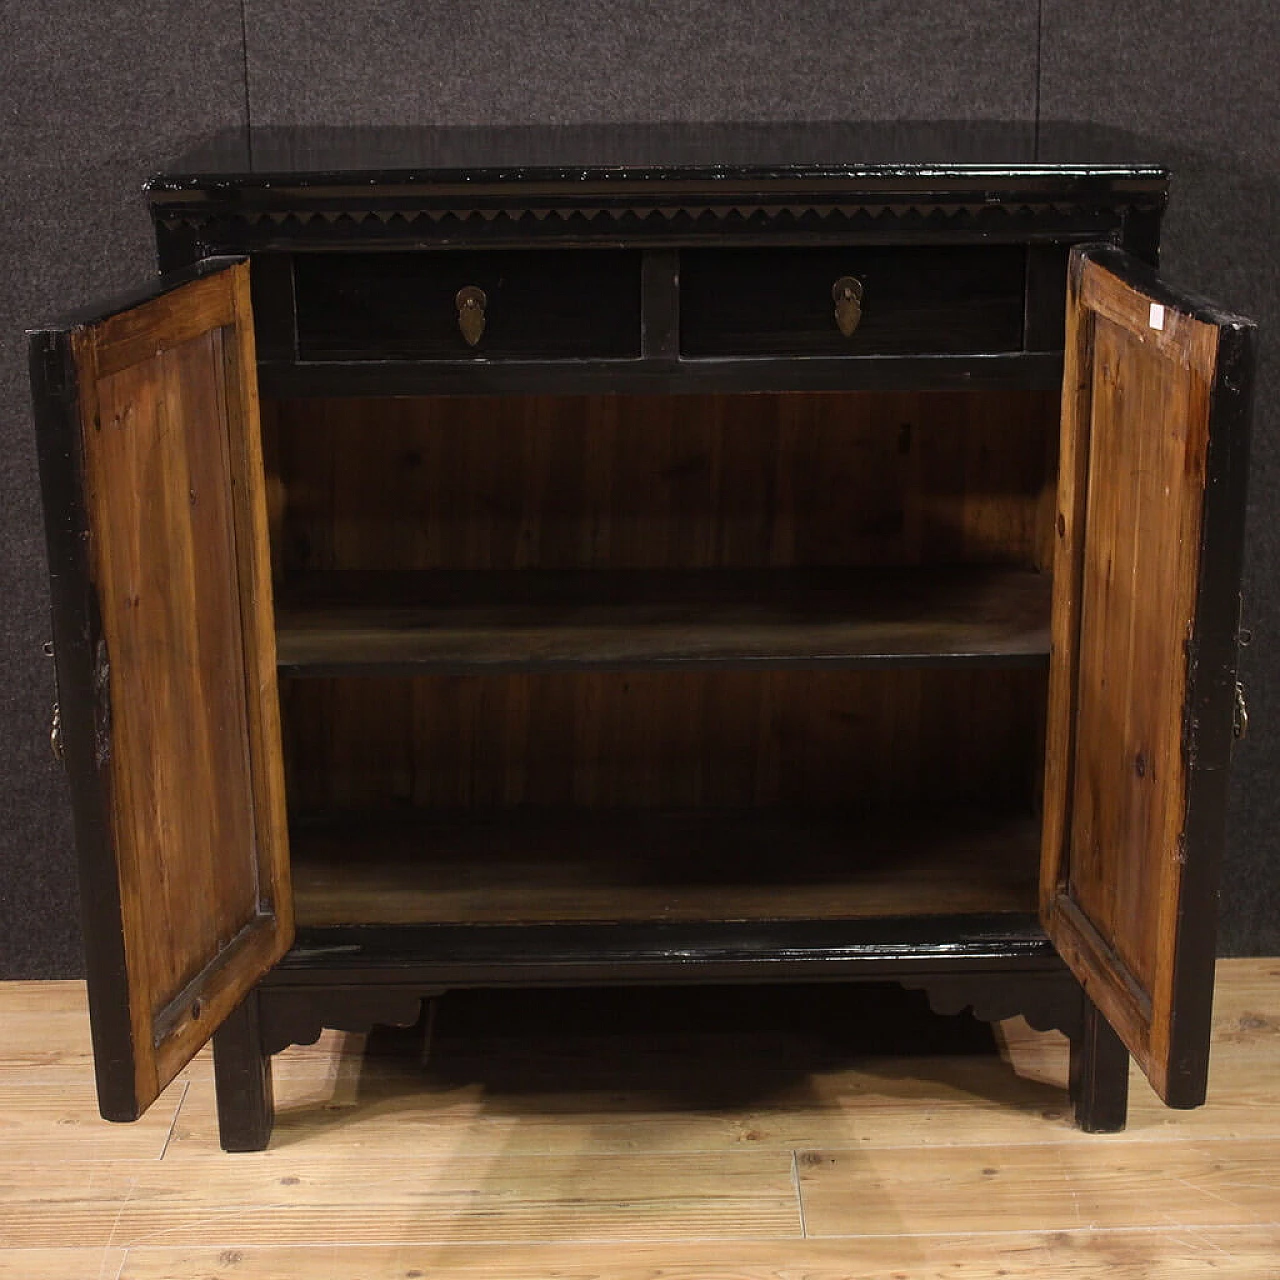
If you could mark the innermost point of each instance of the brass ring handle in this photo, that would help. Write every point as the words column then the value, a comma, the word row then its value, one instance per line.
column 471, row 302
column 847, row 295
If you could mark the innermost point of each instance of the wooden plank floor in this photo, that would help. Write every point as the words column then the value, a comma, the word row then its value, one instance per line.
column 636, row 1138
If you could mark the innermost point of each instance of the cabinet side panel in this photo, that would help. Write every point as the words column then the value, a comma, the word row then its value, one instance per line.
column 57, row 397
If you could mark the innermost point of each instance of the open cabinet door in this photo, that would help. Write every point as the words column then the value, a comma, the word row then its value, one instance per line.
column 151, row 466
column 1143, row 678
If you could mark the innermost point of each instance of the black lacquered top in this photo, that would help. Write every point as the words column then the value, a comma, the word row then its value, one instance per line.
column 599, row 153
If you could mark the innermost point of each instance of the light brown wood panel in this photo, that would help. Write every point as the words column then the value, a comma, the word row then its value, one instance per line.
column 291, row 1199
column 672, row 740
column 173, row 488
column 1098, row 1185
column 711, row 481
column 533, row 868
column 68, row 1263
column 175, row 646
column 1227, row 1253
column 50, row 1116
column 1136, row 409
column 172, row 319
column 44, row 1024
column 1136, row 610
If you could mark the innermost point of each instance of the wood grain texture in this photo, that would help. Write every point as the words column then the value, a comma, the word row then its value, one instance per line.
column 665, row 1154
column 1135, row 437
column 670, row 740
column 533, row 868
column 142, row 333
column 293, row 1200
column 61, row 1264
column 665, row 482
column 1231, row 1253
column 989, row 1188
column 173, row 485
column 45, row 1024
column 50, row 1116
column 391, row 623
column 631, row 484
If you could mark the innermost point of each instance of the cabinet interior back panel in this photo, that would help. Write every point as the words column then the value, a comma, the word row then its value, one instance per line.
column 686, row 482
column 717, row 739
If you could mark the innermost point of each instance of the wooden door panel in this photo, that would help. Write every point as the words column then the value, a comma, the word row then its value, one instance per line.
column 174, row 753
column 1149, row 528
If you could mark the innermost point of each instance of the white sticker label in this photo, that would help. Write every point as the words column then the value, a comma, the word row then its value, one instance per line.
column 1157, row 316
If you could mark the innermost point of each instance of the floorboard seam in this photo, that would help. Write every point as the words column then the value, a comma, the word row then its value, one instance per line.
column 115, row 1223
column 795, row 1181
column 1030, row 1233
column 1136, row 1229
column 173, row 1124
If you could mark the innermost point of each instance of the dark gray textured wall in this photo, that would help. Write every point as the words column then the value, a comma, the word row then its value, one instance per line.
column 1203, row 86
column 94, row 96
column 90, row 95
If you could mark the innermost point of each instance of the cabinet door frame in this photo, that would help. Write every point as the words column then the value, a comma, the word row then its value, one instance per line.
column 1165, row 1023
column 138, row 1051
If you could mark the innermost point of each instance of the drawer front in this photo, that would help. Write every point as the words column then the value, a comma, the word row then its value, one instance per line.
column 778, row 302
column 537, row 305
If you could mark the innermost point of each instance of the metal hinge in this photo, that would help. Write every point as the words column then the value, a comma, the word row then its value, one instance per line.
column 55, row 734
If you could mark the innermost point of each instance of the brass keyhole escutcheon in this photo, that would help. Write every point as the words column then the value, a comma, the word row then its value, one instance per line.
column 847, row 294
column 471, row 302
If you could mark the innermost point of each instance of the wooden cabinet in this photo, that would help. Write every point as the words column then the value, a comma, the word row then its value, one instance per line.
column 470, row 571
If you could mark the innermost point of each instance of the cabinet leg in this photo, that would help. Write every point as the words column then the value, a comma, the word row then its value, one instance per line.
column 1099, row 1074
column 242, row 1077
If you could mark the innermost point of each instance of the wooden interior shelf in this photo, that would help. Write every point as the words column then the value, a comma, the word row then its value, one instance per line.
column 347, row 623
column 527, row 866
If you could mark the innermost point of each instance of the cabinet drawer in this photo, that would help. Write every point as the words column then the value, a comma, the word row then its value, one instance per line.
column 533, row 305
column 913, row 300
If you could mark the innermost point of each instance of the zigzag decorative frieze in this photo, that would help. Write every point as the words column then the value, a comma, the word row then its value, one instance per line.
column 881, row 215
